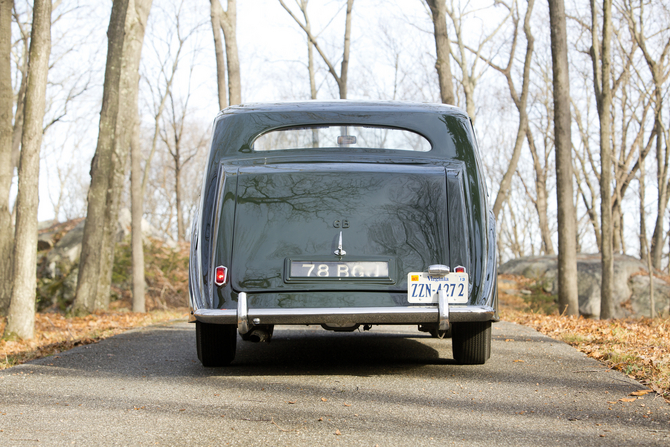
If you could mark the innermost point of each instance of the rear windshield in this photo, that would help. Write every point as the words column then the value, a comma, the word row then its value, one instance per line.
column 341, row 136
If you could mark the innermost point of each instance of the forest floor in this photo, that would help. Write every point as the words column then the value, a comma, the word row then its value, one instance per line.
column 638, row 347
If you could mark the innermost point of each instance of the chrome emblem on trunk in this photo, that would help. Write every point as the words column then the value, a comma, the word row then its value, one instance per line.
column 339, row 251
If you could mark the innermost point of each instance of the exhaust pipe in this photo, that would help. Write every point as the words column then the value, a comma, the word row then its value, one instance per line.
column 259, row 334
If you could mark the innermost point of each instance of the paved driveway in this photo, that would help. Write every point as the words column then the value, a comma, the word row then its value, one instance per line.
column 387, row 387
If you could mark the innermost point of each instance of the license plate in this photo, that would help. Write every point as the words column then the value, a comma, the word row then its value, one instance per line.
column 423, row 288
column 334, row 269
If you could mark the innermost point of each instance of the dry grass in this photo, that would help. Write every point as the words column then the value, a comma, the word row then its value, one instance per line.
column 638, row 347
column 55, row 333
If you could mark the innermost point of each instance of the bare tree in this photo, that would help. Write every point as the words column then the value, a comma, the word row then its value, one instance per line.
column 601, row 57
column 218, row 50
column 21, row 316
column 228, row 22
column 136, row 21
column 302, row 4
column 17, row 131
column 103, row 168
column 567, row 232
column 658, row 66
column 6, row 166
column 160, row 88
column 174, row 138
column 469, row 74
column 438, row 10
column 520, row 101
column 341, row 78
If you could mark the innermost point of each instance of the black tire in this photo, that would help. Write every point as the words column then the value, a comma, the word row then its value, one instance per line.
column 216, row 343
column 471, row 342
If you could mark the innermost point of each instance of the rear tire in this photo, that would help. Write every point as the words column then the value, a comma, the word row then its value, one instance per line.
column 471, row 342
column 216, row 343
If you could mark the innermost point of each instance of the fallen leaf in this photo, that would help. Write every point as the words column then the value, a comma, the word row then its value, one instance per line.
column 291, row 401
column 320, row 419
column 183, row 409
column 347, row 405
column 323, row 399
column 509, row 339
column 611, row 401
column 628, row 399
column 337, row 432
column 639, row 393
column 519, row 361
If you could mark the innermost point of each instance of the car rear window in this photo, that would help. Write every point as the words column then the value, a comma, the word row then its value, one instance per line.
column 341, row 136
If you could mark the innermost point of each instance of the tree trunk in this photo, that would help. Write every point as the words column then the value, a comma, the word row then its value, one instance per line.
column 21, row 316
column 521, row 105
column 344, row 68
column 218, row 50
column 177, row 192
column 102, row 166
column 643, row 220
column 340, row 79
column 17, row 131
column 6, row 166
column 603, row 90
column 662, row 203
column 137, row 210
column 135, row 25
column 443, row 50
column 567, row 223
column 541, row 196
column 228, row 20
column 310, row 64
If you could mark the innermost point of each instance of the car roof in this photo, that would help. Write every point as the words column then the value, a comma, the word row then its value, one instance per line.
column 344, row 106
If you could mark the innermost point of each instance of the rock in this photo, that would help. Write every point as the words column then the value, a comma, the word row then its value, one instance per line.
column 58, row 270
column 45, row 241
column 630, row 288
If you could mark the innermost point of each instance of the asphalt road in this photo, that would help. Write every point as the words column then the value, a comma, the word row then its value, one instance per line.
column 387, row 387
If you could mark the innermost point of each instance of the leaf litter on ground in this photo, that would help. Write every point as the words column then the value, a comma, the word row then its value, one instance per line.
column 638, row 347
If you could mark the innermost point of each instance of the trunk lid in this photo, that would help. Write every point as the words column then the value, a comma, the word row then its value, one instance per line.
column 296, row 212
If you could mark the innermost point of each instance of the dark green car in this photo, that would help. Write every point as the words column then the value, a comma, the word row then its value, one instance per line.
column 345, row 215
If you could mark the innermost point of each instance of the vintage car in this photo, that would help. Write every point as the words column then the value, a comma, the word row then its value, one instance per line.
column 346, row 215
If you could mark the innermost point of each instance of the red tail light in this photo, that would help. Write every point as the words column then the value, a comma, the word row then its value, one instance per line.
column 459, row 269
column 221, row 275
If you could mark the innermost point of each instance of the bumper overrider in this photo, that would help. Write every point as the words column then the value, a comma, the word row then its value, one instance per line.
column 443, row 314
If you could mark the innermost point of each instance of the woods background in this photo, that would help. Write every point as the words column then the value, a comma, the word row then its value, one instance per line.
column 199, row 56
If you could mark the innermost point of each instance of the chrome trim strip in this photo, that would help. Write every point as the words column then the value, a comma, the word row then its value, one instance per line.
column 340, row 315
column 443, row 310
column 215, row 231
column 242, row 313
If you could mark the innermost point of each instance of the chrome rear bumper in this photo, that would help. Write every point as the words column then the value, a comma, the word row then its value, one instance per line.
column 442, row 314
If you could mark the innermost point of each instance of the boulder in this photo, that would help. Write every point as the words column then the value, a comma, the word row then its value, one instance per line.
column 630, row 289
column 58, row 269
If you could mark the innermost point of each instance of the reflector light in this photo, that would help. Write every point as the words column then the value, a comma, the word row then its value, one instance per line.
column 221, row 275
column 459, row 269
